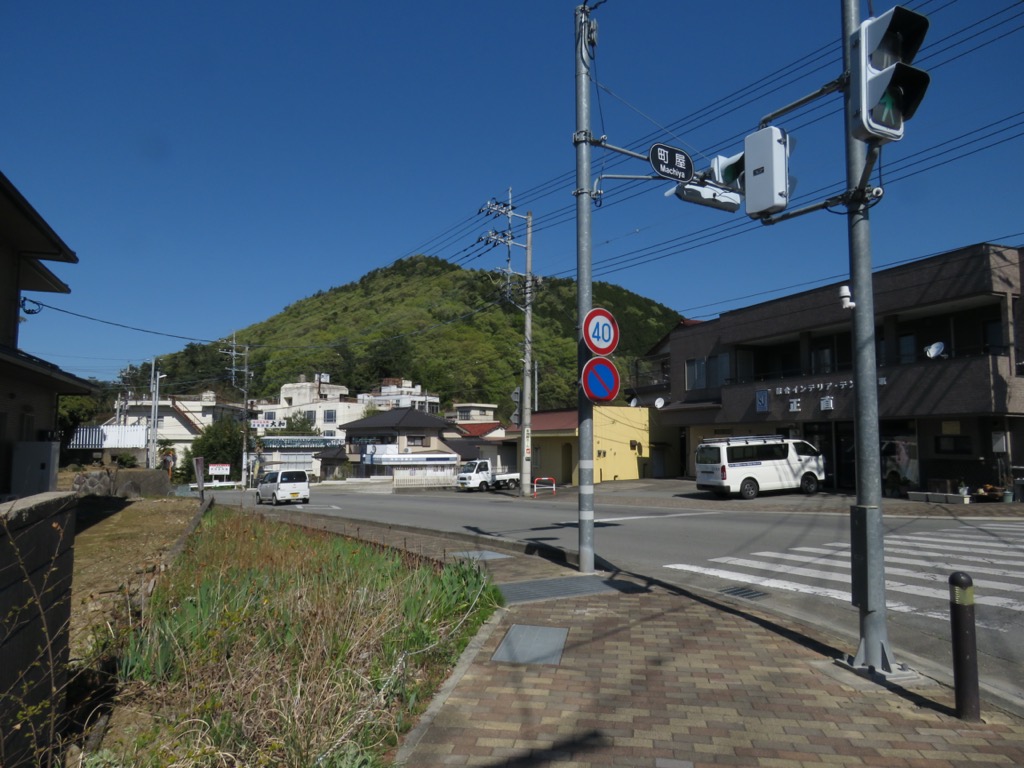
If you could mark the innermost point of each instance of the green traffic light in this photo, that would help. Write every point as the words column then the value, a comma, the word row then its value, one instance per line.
column 889, row 109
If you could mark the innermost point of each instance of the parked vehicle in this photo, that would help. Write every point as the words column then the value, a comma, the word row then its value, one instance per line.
column 281, row 487
column 751, row 464
column 484, row 475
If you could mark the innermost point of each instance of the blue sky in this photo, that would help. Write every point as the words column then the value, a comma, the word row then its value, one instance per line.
column 212, row 163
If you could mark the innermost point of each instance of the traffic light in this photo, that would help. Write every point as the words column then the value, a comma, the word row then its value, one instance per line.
column 727, row 171
column 707, row 195
column 766, row 171
column 885, row 90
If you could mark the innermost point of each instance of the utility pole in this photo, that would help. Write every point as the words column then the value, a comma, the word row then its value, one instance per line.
column 154, row 413
column 525, row 414
column 244, row 387
column 586, row 39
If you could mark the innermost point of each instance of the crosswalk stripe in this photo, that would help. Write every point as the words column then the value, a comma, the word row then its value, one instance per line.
column 788, row 586
column 934, row 565
column 946, row 543
column 973, row 554
column 895, row 586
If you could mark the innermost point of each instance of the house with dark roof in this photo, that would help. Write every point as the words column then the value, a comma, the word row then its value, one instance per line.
column 29, row 386
column 405, row 444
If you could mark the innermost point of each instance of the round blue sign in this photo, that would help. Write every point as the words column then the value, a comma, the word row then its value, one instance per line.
column 600, row 380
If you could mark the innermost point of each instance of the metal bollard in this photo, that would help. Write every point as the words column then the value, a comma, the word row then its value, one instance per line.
column 965, row 646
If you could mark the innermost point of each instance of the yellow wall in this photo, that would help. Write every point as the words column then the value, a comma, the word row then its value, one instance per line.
column 621, row 443
column 621, row 448
column 556, row 456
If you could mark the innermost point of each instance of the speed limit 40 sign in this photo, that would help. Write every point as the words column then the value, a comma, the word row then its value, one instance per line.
column 600, row 331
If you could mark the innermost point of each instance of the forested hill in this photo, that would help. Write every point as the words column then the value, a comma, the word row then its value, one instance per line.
column 457, row 332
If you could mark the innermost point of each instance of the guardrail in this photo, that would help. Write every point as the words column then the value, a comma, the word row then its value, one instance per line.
column 543, row 484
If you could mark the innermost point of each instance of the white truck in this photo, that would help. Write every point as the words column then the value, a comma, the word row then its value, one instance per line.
column 484, row 475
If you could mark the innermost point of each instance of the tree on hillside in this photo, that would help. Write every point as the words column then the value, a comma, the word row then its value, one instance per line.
column 219, row 443
column 73, row 411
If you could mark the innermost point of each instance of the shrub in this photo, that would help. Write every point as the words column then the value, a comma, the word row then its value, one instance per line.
column 125, row 460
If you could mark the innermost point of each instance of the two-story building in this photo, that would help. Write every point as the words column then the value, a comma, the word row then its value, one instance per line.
column 29, row 386
column 949, row 352
column 402, row 443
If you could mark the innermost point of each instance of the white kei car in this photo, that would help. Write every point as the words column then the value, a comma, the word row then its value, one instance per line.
column 281, row 487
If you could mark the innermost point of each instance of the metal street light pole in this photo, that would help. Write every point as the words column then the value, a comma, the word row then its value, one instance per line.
column 586, row 38
column 867, row 543
column 154, row 413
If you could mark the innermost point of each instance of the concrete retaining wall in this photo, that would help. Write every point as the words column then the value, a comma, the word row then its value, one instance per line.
column 37, row 537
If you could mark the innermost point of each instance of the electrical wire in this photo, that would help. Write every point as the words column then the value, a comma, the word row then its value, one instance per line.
column 613, row 264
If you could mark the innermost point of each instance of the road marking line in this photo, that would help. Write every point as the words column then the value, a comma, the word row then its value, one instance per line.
column 895, row 586
column 655, row 517
column 788, row 586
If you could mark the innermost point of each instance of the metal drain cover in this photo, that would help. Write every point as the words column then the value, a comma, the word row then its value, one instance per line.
column 525, row 644
column 567, row 586
column 745, row 592
column 480, row 554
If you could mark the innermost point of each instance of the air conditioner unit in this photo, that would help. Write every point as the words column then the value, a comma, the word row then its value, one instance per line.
column 407, row 450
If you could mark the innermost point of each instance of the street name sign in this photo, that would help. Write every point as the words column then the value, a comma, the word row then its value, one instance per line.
column 671, row 163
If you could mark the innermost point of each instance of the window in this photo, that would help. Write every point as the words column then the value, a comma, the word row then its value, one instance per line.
column 805, row 449
column 908, row 348
column 696, row 373
column 270, row 415
column 416, row 441
column 330, row 417
column 717, row 370
column 310, row 416
column 821, row 360
column 464, row 414
column 953, row 444
column 766, row 452
column 994, row 337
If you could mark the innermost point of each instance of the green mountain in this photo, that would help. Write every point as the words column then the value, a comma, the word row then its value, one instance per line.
column 457, row 332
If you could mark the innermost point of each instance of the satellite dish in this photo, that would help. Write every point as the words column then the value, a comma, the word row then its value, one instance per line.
column 935, row 350
column 659, row 403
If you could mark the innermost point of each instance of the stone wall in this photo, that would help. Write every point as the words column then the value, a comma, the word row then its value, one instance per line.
column 37, row 536
column 123, row 483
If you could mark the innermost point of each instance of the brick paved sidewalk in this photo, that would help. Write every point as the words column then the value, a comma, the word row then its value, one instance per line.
column 650, row 676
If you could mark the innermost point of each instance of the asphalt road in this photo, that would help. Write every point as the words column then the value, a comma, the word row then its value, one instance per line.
column 787, row 553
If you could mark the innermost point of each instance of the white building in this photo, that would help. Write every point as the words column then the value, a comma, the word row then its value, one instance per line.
column 326, row 406
column 400, row 393
column 180, row 420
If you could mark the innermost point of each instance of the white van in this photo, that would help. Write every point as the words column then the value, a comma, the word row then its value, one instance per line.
column 279, row 487
column 749, row 465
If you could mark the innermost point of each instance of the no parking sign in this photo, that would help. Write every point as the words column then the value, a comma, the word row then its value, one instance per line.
column 600, row 380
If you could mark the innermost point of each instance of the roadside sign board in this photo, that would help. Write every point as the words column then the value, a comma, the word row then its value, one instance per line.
column 600, row 331
column 600, row 380
column 671, row 163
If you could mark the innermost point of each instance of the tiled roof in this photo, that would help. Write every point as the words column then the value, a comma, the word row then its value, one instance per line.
column 551, row 421
column 397, row 419
column 479, row 429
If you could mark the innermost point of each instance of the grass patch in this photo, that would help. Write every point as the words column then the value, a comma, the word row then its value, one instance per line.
column 269, row 644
